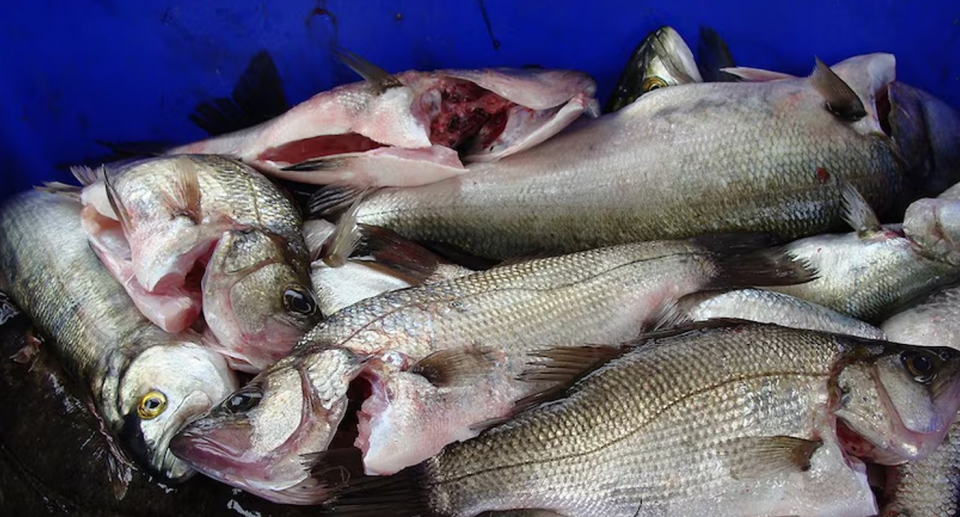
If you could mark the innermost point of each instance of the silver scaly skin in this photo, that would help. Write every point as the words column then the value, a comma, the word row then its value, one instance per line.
column 929, row 487
column 687, row 425
column 145, row 383
column 679, row 162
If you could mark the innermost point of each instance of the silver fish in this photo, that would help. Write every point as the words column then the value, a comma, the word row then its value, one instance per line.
column 929, row 487
column 736, row 421
column 598, row 296
column 765, row 306
column 145, row 382
column 765, row 157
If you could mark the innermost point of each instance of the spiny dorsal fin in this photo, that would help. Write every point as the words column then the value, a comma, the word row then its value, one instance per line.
column 755, row 75
column 856, row 211
column 457, row 366
column 379, row 78
column 183, row 199
column 116, row 203
column 759, row 457
column 838, row 97
column 85, row 175
column 346, row 236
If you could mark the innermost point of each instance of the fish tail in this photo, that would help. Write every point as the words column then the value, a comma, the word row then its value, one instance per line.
column 739, row 263
column 404, row 494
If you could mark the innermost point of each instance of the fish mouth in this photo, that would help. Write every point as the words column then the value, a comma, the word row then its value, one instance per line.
column 172, row 467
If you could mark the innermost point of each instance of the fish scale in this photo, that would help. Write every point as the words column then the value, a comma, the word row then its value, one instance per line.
column 630, row 436
column 682, row 161
column 682, row 425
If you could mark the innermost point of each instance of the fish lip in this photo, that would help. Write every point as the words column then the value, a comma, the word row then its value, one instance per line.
column 174, row 468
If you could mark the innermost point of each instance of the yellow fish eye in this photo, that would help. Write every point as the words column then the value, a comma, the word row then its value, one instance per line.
column 151, row 405
column 652, row 83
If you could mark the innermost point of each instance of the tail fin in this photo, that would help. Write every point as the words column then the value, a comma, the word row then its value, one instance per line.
column 740, row 264
column 403, row 494
column 257, row 97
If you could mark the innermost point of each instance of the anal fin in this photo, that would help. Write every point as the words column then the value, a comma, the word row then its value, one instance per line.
column 856, row 211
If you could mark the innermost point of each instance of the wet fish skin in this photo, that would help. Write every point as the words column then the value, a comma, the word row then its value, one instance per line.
column 598, row 296
column 130, row 366
column 650, row 170
column 662, row 59
column 46, row 419
column 765, row 306
column 683, row 425
column 929, row 487
column 255, row 301
column 165, row 216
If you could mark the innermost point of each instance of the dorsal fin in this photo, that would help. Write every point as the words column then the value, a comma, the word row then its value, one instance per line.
column 379, row 78
column 856, row 211
column 839, row 98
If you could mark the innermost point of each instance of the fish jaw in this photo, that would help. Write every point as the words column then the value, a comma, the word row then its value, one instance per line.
column 934, row 225
column 889, row 417
column 191, row 379
column 173, row 310
column 407, row 419
column 260, row 447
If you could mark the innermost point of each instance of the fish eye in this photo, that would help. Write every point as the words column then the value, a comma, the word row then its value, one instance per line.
column 921, row 366
column 299, row 300
column 652, row 83
column 243, row 400
column 151, row 405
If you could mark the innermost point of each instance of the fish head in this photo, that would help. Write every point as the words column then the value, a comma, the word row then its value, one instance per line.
column 897, row 406
column 666, row 60
column 257, row 437
column 927, row 132
column 934, row 226
column 258, row 299
column 164, row 387
column 662, row 59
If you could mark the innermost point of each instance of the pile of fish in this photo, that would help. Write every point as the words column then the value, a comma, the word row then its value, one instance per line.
column 457, row 292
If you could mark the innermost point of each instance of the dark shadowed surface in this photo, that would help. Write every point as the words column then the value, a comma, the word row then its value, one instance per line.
column 77, row 72
column 53, row 459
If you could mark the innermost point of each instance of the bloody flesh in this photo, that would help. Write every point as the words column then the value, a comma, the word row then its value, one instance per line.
column 317, row 147
column 467, row 114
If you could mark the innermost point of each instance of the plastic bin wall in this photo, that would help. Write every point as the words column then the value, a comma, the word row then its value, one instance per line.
column 78, row 72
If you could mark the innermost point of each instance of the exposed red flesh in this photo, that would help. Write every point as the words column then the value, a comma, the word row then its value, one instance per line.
column 318, row 147
column 468, row 113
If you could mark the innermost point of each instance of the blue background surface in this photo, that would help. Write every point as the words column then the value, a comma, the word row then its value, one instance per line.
column 116, row 70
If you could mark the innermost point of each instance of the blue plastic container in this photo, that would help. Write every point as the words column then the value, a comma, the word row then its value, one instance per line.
column 77, row 72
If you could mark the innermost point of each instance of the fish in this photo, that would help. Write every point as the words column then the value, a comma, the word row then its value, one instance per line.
column 868, row 273
column 46, row 423
column 145, row 383
column 410, row 128
column 379, row 262
column 931, row 486
column 661, row 169
column 741, row 420
column 662, row 59
column 256, row 304
column 765, row 306
column 934, row 224
column 600, row 296
column 157, row 225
